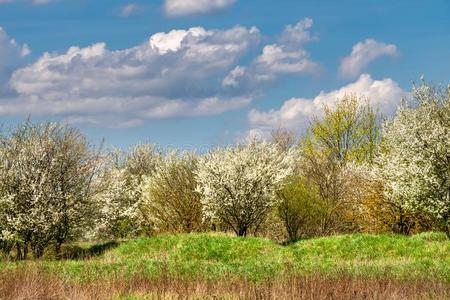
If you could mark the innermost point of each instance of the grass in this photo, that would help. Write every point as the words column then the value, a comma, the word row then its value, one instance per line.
column 218, row 256
column 205, row 259
column 23, row 284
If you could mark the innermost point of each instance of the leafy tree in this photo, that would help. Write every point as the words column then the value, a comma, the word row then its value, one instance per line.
column 238, row 183
column 170, row 201
column 348, row 133
column 415, row 161
column 299, row 207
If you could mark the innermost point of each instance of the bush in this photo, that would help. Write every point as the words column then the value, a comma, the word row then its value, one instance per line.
column 299, row 208
column 118, row 202
column 238, row 184
column 371, row 211
column 170, row 202
column 119, row 192
column 415, row 161
column 45, row 186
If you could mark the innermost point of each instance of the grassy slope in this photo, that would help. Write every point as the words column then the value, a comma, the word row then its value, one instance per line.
column 218, row 256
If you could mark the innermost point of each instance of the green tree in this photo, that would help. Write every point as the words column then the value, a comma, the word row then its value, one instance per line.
column 299, row 207
column 348, row 133
column 170, row 201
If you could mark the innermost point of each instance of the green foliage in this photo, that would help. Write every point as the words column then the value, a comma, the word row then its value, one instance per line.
column 300, row 208
column 170, row 201
column 347, row 136
column 349, row 131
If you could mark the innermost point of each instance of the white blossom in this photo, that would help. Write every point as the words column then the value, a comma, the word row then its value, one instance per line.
column 238, row 183
column 416, row 159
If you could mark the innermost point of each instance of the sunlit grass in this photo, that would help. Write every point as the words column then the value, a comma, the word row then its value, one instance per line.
column 219, row 256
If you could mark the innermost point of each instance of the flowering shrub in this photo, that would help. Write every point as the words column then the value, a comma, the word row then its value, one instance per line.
column 119, row 198
column 45, row 186
column 415, row 163
column 118, row 206
column 238, row 183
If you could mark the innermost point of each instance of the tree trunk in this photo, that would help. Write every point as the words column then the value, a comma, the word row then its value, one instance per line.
column 18, row 251
column 58, row 248
column 25, row 251
column 242, row 231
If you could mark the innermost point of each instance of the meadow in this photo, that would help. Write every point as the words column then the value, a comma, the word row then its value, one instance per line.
column 355, row 266
column 355, row 208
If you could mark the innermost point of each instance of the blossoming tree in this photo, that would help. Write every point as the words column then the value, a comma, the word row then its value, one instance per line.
column 238, row 183
column 119, row 191
column 45, row 186
column 416, row 159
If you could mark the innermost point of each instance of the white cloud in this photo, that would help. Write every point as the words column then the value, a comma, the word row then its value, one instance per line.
column 364, row 53
column 278, row 59
column 232, row 79
column 129, row 9
column 296, row 113
column 176, row 8
column 286, row 57
column 298, row 34
column 171, row 41
column 178, row 73
column 11, row 57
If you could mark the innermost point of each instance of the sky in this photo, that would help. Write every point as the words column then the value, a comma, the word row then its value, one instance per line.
column 200, row 73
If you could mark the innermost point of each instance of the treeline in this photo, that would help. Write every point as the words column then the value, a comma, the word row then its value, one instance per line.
column 351, row 172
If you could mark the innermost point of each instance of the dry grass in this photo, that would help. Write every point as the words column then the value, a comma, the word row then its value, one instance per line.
column 199, row 266
column 35, row 284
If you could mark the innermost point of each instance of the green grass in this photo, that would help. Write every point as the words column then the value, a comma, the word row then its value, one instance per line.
column 218, row 256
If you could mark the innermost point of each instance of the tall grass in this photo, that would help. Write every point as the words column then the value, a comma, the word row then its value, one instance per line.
column 376, row 266
column 35, row 284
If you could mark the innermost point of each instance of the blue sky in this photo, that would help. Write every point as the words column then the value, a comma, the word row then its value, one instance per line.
column 233, row 67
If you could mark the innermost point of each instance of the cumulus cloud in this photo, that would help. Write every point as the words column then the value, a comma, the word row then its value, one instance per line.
column 178, row 73
column 128, row 10
column 12, row 56
column 176, row 8
column 363, row 53
column 286, row 57
column 296, row 113
column 278, row 59
column 298, row 34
